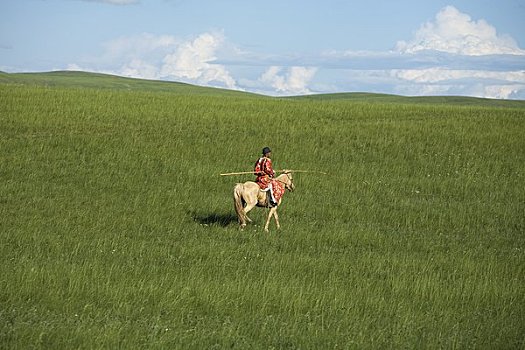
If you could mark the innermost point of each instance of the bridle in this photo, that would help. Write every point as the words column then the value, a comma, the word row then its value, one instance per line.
column 286, row 183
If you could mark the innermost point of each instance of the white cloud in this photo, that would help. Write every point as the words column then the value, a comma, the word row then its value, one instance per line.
column 451, row 55
column 436, row 81
column 435, row 75
column 150, row 56
column 503, row 91
column 139, row 45
column 513, row 91
column 456, row 55
column 140, row 69
column 138, row 56
column 455, row 32
column 294, row 81
column 193, row 61
column 74, row 67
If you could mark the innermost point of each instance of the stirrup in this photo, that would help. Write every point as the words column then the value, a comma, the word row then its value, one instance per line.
column 269, row 202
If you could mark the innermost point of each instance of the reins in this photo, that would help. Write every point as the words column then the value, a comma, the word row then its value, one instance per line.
column 285, row 183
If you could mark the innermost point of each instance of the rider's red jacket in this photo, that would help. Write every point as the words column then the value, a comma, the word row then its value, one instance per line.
column 264, row 172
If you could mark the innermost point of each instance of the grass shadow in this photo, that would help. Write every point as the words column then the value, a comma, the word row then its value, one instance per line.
column 214, row 219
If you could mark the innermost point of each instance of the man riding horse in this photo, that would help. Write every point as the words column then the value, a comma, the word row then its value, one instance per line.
column 265, row 177
column 250, row 194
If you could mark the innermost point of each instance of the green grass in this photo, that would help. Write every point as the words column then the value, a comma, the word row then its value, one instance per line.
column 76, row 80
column 117, row 231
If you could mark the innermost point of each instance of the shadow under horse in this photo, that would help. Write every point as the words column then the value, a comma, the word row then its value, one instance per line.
column 220, row 219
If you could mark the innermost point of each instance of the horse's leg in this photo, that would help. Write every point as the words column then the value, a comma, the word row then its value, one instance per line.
column 251, row 202
column 247, row 208
column 270, row 214
column 276, row 219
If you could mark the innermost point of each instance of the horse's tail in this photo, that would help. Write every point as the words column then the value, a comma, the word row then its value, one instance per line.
column 239, row 208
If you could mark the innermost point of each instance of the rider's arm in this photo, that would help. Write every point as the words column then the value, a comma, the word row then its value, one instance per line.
column 268, row 169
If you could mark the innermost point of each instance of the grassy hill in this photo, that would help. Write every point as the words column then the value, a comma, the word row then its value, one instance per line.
column 72, row 79
column 117, row 231
column 386, row 98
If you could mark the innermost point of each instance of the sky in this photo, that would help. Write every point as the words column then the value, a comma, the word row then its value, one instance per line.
column 278, row 47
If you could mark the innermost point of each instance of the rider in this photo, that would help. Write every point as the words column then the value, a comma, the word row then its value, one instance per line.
column 265, row 173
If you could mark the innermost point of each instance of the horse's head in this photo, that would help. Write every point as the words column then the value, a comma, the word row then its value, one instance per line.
column 288, row 180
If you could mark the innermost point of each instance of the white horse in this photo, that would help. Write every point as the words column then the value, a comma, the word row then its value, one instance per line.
column 248, row 195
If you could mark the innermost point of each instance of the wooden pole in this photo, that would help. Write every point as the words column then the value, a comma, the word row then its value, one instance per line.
column 239, row 173
column 280, row 171
column 302, row 171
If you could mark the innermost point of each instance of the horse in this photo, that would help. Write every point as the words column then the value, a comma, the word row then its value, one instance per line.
column 248, row 195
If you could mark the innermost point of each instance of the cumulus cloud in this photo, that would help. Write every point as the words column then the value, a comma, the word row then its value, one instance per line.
column 455, row 32
column 456, row 55
column 434, row 75
column 138, row 56
column 504, row 91
column 473, row 89
column 144, row 44
column 193, row 60
column 476, row 83
column 140, row 69
column 451, row 55
column 293, row 81
column 150, row 56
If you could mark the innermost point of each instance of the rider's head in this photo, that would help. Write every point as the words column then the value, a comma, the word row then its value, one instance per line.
column 266, row 151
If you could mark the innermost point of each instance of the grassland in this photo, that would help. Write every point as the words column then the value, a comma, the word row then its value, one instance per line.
column 117, row 231
column 76, row 80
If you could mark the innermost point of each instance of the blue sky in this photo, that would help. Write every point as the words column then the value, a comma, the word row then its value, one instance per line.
column 278, row 47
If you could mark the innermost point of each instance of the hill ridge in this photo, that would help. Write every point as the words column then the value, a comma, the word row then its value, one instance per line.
column 83, row 79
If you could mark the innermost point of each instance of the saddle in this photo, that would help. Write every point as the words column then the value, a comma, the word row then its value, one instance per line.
column 266, row 199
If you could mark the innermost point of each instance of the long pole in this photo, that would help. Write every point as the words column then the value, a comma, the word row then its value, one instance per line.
column 302, row 171
column 239, row 173
column 281, row 171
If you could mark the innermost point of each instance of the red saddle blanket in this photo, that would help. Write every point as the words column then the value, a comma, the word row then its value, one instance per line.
column 277, row 189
